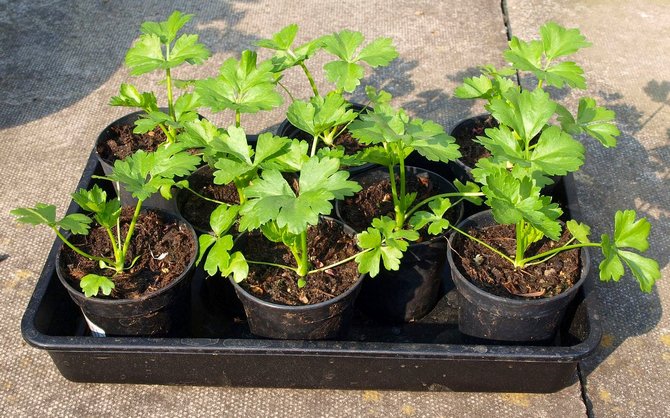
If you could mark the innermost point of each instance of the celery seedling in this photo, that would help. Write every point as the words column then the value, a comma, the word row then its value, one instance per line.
column 159, row 48
column 143, row 174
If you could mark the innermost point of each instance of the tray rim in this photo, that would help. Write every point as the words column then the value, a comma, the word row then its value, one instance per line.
column 339, row 348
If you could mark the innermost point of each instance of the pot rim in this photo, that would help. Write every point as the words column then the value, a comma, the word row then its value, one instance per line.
column 585, row 269
column 151, row 295
column 337, row 298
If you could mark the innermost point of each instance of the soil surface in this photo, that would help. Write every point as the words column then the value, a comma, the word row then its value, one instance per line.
column 197, row 210
column 376, row 200
column 349, row 143
column 327, row 243
column 469, row 130
column 490, row 272
column 165, row 249
column 122, row 142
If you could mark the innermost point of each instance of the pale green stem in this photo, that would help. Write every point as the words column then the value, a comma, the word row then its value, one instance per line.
column 560, row 249
column 303, row 264
column 311, row 80
column 238, row 118
column 129, row 235
column 399, row 218
column 483, row 244
column 281, row 266
column 78, row 251
column 439, row 196
column 287, row 91
column 343, row 261
column 218, row 202
column 518, row 259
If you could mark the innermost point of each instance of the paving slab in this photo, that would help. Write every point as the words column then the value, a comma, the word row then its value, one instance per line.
column 61, row 61
column 627, row 71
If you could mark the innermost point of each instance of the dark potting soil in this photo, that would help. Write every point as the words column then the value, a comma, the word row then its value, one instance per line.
column 469, row 130
column 327, row 243
column 153, row 237
column 376, row 200
column 490, row 272
column 197, row 210
column 124, row 142
column 349, row 143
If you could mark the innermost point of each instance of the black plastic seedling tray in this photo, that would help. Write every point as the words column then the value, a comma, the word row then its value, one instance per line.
column 219, row 350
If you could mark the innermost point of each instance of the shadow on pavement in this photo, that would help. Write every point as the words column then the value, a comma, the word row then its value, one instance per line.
column 56, row 53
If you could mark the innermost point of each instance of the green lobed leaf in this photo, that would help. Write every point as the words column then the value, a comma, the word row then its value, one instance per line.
column 187, row 49
column 513, row 200
column 223, row 218
column 557, row 153
column 281, row 40
column 218, row 257
column 343, row 44
column 129, row 96
column 145, row 55
column 245, row 86
column 92, row 284
column 645, row 270
column 468, row 187
column 41, row 214
column 579, row 230
column 631, row 233
column 379, row 53
column 429, row 139
column 204, row 242
column 474, row 87
column 167, row 29
column 524, row 111
column 566, row 72
column 558, row 41
column 345, row 75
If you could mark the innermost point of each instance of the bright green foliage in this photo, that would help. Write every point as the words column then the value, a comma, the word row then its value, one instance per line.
column 145, row 173
column 391, row 137
column 92, row 284
column 435, row 220
column 240, row 164
column 321, row 117
column 244, row 86
column 287, row 56
column 346, row 72
column 578, row 230
column 514, row 200
column 539, row 56
column 594, row 120
column 217, row 245
column 272, row 199
column 130, row 97
column 106, row 212
column 43, row 214
column 628, row 233
column 142, row 174
column 155, row 48
column 382, row 232
column 524, row 112
column 491, row 84
column 159, row 48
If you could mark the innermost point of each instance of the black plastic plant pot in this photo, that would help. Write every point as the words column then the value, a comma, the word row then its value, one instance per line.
column 160, row 313
column 409, row 293
column 320, row 321
column 157, row 200
column 219, row 350
column 189, row 205
column 490, row 317
column 287, row 129
column 468, row 130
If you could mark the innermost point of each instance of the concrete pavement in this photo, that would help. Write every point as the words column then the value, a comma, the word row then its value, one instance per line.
column 61, row 61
